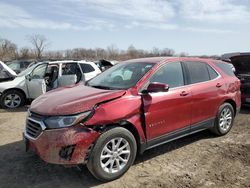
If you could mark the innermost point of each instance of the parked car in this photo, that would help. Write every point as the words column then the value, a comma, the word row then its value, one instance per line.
column 106, row 123
column 241, row 62
column 20, row 65
column 6, row 73
column 43, row 77
column 104, row 64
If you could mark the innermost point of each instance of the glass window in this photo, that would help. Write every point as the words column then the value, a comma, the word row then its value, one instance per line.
column 69, row 68
column 226, row 68
column 121, row 76
column 212, row 73
column 14, row 66
column 86, row 68
column 198, row 72
column 39, row 72
column 170, row 74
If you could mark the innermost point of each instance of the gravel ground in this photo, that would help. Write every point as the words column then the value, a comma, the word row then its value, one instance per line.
column 200, row 160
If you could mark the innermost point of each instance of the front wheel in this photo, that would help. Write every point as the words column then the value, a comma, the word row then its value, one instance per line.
column 224, row 119
column 12, row 99
column 113, row 154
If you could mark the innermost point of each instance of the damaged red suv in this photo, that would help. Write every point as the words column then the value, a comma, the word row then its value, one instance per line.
column 131, row 107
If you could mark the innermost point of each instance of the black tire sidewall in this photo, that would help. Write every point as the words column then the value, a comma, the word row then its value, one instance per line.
column 94, row 160
column 217, row 124
column 12, row 92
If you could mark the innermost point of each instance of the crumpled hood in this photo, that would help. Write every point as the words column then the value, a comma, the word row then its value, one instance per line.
column 72, row 100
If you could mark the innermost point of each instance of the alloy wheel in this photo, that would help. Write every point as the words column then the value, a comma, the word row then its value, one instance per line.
column 226, row 118
column 115, row 155
column 12, row 100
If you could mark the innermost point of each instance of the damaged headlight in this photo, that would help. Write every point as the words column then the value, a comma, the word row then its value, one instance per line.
column 55, row 122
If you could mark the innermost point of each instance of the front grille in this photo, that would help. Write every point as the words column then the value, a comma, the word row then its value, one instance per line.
column 33, row 128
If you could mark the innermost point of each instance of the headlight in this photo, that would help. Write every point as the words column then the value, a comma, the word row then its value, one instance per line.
column 65, row 121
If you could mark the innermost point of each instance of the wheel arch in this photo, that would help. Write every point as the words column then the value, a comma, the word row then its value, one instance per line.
column 131, row 128
column 233, row 103
column 16, row 89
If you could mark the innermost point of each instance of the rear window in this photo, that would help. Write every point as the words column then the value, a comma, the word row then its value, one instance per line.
column 86, row 68
column 198, row 72
column 226, row 68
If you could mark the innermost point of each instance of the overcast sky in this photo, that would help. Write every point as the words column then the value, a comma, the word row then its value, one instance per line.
column 193, row 26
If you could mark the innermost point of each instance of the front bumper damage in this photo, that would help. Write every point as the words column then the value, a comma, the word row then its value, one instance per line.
column 67, row 146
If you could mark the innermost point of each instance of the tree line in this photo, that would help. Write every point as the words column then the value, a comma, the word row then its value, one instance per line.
column 39, row 51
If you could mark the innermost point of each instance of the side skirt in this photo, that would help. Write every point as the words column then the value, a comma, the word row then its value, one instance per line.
column 177, row 134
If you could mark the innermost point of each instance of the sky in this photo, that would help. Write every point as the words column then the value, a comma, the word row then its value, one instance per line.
column 197, row 27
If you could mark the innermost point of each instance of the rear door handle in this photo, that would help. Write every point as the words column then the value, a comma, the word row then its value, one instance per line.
column 184, row 93
column 218, row 85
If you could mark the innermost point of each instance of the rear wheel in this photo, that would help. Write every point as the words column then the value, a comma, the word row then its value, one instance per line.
column 113, row 154
column 12, row 99
column 224, row 120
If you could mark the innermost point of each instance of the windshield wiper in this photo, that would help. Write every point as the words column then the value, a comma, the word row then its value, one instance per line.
column 102, row 87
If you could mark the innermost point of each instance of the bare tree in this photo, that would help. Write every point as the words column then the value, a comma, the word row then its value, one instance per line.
column 39, row 43
column 112, row 51
column 183, row 54
column 8, row 50
column 24, row 53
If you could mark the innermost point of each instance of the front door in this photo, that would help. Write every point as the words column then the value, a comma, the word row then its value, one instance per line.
column 169, row 111
column 35, row 81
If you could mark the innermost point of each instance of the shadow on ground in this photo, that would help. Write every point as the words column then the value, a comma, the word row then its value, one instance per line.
column 21, row 169
column 245, row 110
column 21, row 109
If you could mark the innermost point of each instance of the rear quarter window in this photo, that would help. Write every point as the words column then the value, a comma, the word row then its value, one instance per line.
column 226, row 68
column 86, row 68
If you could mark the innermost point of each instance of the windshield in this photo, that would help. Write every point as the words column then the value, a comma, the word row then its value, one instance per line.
column 121, row 76
column 26, row 71
column 14, row 65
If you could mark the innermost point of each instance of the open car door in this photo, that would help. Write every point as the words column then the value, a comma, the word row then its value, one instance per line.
column 71, row 74
column 35, row 81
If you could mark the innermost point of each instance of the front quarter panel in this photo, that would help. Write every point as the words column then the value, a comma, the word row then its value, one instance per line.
column 18, row 82
column 126, row 108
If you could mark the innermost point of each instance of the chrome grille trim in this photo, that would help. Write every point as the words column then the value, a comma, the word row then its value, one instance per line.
column 34, row 128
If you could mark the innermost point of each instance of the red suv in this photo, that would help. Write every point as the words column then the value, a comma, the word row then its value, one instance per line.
column 131, row 107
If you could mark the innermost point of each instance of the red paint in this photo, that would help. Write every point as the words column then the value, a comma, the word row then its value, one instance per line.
column 164, row 112
column 48, row 144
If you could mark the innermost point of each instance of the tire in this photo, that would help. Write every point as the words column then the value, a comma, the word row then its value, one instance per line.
column 111, row 172
column 224, row 120
column 15, row 97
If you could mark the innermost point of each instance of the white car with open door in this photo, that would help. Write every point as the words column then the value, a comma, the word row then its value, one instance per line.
column 43, row 77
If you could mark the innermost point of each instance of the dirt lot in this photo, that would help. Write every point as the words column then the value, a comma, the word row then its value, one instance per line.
column 201, row 160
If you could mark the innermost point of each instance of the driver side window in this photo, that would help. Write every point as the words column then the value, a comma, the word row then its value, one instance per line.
column 170, row 74
column 39, row 72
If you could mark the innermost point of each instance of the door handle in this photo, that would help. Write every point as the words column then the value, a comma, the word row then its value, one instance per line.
column 218, row 85
column 184, row 93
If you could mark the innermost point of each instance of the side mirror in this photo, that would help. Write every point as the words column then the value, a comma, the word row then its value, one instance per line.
column 28, row 77
column 157, row 87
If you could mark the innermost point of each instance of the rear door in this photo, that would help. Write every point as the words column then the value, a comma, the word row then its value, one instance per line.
column 70, row 74
column 206, row 88
column 170, row 111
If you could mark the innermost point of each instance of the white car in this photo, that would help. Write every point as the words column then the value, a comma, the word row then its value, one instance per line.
column 6, row 73
column 43, row 77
